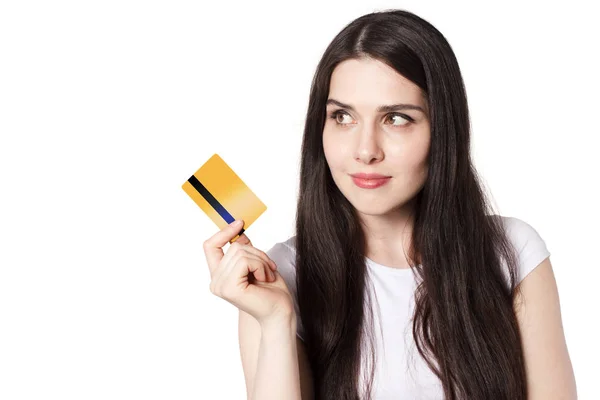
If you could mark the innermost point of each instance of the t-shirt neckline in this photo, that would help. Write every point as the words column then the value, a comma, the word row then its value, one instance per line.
column 388, row 269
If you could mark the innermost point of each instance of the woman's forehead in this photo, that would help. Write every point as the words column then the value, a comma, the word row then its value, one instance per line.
column 368, row 83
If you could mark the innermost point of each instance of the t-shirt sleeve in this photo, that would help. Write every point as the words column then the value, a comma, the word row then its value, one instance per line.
column 530, row 247
column 284, row 256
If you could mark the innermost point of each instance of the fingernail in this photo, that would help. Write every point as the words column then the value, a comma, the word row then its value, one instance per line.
column 236, row 222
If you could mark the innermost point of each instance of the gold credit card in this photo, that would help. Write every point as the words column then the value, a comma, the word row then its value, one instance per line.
column 222, row 195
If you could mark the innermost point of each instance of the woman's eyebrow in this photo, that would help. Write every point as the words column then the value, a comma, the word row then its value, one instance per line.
column 387, row 108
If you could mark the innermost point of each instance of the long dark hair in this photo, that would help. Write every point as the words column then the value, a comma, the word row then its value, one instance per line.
column 464, row 322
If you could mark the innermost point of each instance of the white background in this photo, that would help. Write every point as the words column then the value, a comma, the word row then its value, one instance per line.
column 107, row 107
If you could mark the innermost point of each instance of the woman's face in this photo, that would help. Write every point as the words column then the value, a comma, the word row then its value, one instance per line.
column 359, row 138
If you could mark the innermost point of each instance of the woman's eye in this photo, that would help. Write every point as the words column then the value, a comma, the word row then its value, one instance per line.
column 335, row 116
column 401, row 118
column 397, row 119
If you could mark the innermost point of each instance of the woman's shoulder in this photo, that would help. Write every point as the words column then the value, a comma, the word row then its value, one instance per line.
column 284, row 255
column 523, row 235
column 529, row 245
column 284, row 249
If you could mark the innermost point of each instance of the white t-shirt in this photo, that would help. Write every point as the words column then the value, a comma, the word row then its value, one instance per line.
column 401, row 372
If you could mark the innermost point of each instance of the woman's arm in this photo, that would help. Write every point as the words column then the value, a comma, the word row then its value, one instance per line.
column 548, row 365
column 274, row 360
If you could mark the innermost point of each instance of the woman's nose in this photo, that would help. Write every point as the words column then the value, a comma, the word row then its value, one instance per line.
column 368, row 146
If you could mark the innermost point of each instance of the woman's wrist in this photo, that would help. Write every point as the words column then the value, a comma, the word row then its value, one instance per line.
column 282, row 322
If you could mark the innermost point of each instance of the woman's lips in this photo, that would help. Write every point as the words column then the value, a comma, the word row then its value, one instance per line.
column 370, row 183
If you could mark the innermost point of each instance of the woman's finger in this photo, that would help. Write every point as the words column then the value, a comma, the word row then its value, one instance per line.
column 227, row 284
column 259, row 268
column 243, row 239
column 262, row 255
column 250, row 263
column 213, row 246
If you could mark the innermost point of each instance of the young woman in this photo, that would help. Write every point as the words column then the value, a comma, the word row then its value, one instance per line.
column 400, row 282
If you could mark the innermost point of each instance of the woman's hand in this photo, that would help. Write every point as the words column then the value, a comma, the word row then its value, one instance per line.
column 246, row 277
